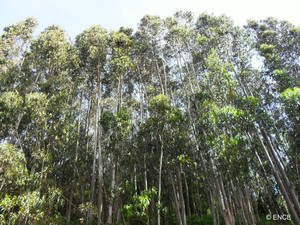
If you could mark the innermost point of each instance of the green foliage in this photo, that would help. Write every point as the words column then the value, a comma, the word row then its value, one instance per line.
column 12, row 101
column 159, row 106
column 267, row 49
column 13, row 172
column 270, row 52
column 31, row 207
column 283, row 78
column 137, row 212
column 11, row 104
column 36, row 105
column 18, row 203
column 291, row 98
column 108, row 120
column 225, row 116
column 291, row 94
column 92, row 45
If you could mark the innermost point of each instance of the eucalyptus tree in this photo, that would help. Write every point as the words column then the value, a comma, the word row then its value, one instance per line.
column 92, row 46
column 34, row 134
column 149, row 39
column 276, row 42
column 164, row 134
column 148, row 68
column 277, row 74
column 14, row 44
column 119, row 75
column 200, row 76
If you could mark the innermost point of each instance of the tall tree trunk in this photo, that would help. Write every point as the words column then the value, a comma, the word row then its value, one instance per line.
column 159, row 179
column 213, row 207
column 292, row 201
column 90, row 213
column 177, row 207
column 145, row 173
column 70, row 206
column 135, row 178
column 187, row 195
column 227, row 214
column 75, row 170
column 111, row 200
column 278, row 161
column 99, row 140
column 181, row 197
column 279, row 181
column 249, row 206
column 160, row 78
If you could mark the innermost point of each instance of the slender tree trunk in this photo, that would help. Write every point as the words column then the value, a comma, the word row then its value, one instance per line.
column 213, row 208
column 111, row 200
column 225, row 209
column 117, row 212
column 92, row 194
column 292, row 201
column 177, row 207
column 145, row 173
column 282, row 187
column 243, row 211
column 100, row 164
column 223, row 200
column 75, row 170
column 181, row 197
column 287, row 182
column 70, row 206
column 160, row 78
column 159, row 179
column 187, row 195
column 249, row 206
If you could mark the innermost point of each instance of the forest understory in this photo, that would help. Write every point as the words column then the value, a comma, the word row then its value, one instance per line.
column 183, row 121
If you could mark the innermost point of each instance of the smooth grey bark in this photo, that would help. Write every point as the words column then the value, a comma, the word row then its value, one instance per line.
column 99, row 140
column 249, row 206
column 177, row 207
column 145, row 172
column 181, row 197
column 159, row 179
column 227, row 214
column 187, row 195
column 113, row 181
column 213, row 208
column 92, row 194
column 282, row 188
column 69, row 210
column 75, row 171
column 278, row 161
column 270, row 152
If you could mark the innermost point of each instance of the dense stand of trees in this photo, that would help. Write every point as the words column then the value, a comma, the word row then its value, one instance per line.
column 184, row 121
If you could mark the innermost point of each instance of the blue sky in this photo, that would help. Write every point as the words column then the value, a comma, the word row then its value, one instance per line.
column 74, row 15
